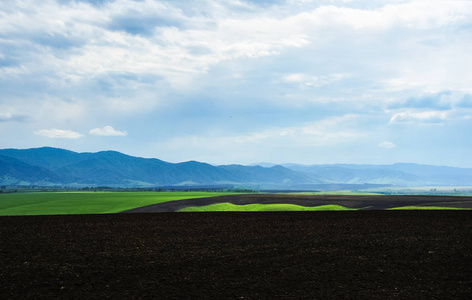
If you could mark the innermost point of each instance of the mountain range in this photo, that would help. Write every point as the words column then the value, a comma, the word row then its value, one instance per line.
column 52, row 166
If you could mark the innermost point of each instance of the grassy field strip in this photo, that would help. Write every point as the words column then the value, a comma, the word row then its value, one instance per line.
column 262, row 207
column 87, row 202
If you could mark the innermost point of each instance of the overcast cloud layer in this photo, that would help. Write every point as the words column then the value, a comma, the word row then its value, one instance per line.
column 230, row 81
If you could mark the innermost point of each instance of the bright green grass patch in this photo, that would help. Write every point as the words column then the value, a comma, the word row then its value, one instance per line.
column 261, row 207
column 87, row 202
column 427, row 208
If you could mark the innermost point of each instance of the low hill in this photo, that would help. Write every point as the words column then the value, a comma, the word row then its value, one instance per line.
column 62, row 167
column 15, row 172
column 401, row 174
column 53, row 166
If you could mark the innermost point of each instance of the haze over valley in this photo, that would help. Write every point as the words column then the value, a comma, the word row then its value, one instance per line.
column 52, row 166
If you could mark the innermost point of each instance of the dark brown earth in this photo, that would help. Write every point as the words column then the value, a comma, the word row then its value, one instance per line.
column 284, row 255
column 369, row 202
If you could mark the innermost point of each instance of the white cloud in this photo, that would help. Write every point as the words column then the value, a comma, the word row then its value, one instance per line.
column 306, row 80
column 326, row 132
column 79, row 41
column 386, row 144
column 59, row 134
column 107, row 131
column 428, row 117
column 75, row 63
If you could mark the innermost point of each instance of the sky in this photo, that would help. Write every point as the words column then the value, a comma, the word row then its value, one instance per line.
column 240, row 81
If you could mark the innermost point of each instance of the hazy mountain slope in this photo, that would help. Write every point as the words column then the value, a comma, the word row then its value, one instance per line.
column 343, row 174
column 14, row 171
column 64, row 167
column 433, row 174
column 398, row 174
column 46, row 157
column 275, row 174
column 110, row 167
column 114, row 168
column 193, row 172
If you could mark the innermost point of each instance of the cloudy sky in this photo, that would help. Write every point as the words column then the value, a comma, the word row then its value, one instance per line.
column 240, row 81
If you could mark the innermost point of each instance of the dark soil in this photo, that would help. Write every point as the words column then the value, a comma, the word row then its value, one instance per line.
column 370, row 202
column 285, row 255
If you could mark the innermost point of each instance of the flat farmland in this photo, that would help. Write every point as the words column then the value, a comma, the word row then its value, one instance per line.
column 357, row 202
column 294, row 255
column 54, row 203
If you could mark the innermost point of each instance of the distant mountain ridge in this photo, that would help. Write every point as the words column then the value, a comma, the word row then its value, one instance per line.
column 54, row 166
column 39, row 166
column 401, row 174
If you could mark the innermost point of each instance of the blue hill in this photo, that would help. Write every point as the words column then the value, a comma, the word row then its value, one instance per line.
column 53, row 166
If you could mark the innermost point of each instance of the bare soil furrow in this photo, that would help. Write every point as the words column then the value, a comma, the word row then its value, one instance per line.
column 288, row 255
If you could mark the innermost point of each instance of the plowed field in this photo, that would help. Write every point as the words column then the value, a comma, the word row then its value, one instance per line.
column 368, row 202
column 287, row 255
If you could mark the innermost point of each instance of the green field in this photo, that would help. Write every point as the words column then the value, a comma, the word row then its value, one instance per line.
column 87, row 202
column 53, row 203
column 261, row 207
